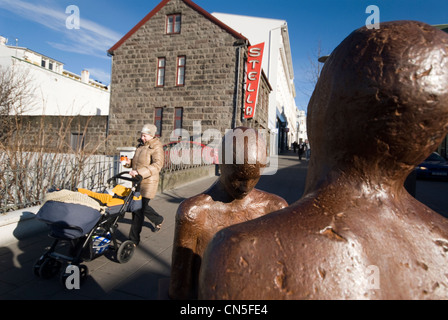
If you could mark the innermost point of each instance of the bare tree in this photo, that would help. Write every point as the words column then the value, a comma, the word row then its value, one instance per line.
column 35, row 152
column 312, row 70
column 16, row 98
column 315, row 65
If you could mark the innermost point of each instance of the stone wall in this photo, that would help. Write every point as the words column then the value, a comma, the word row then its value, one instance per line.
column 54, row 133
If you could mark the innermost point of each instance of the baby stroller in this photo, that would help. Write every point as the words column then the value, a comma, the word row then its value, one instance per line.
column 83, row 224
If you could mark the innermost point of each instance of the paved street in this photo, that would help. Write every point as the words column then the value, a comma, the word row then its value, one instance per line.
column 139, row 278
column 434, row 194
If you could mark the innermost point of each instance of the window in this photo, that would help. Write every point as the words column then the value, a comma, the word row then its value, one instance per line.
column 178, row 114
column 158, row 121
column 173, row 23
column 180, row 78
column 161, row 62
column 77, row 141
column 43, row 63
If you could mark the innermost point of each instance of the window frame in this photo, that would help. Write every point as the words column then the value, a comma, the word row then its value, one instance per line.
column 176, row 23
column 158, row 118
column 161, row 69
column 178, row 118
column 77, row 141
column 181, row 67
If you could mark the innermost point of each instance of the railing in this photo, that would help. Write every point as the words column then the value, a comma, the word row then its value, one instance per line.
column 187, row 154
column 25, row 179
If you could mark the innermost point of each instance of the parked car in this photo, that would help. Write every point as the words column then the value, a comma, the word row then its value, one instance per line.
column 434, row 167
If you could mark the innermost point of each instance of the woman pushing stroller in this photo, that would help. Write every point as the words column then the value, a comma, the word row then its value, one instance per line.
column 147, row 162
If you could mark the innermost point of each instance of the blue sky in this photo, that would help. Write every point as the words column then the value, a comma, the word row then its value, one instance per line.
column 40, row 25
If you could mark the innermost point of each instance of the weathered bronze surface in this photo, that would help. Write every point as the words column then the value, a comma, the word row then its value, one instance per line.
column 231, row 200
column 379, row 108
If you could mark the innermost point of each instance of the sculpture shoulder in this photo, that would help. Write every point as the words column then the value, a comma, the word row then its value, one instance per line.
column 193, row 208
column 294, row 240
column 271, row 199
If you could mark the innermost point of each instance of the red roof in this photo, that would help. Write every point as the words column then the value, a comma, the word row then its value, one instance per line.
column 160, row 6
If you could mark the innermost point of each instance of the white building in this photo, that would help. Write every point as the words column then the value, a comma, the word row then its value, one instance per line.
column 57, row 92
column 301, row 127
column 277, row 65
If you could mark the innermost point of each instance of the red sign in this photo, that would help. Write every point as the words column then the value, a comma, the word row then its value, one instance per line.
column 253, row 67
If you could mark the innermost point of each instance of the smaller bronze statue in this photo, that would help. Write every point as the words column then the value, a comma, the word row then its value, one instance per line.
column 231, row 200
column 380, row 107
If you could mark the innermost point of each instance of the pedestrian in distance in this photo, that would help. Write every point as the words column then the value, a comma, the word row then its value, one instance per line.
column 308, row 151
column 302, row 147
column 147, row 162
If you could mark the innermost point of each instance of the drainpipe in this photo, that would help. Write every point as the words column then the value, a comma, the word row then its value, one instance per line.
column 240, row 44
column 269, row 48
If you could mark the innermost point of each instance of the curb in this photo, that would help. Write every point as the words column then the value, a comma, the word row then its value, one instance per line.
column 20, row 224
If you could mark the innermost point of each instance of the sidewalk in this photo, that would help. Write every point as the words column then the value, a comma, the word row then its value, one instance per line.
column 139, row 278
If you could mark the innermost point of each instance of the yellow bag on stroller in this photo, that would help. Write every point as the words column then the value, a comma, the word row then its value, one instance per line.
column 117, row 198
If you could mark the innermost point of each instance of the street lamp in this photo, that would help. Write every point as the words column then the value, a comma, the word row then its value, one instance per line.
column 323, row 58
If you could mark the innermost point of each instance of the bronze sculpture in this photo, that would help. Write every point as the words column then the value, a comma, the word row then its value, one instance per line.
column 379, row 108
column 232, row 199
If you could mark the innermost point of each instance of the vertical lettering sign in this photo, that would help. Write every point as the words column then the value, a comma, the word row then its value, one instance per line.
column 253, row 67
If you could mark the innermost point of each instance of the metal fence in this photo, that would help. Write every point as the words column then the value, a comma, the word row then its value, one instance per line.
column 26, row 178
column 188, row 154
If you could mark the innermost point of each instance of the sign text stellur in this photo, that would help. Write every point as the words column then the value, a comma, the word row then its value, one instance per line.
column 253, row 72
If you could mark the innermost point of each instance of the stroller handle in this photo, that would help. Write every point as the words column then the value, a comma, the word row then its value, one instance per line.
column 136, row 180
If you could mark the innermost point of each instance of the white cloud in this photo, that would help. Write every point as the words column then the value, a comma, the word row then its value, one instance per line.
column 46, row 16
column 90, row 39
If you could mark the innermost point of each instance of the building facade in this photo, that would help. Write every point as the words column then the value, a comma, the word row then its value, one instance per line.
column 57, row 91
column 277, row 63
column 180, row 68
column 55, row 98
column 302, row 135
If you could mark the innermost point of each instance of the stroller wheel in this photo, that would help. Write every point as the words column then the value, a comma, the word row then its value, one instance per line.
column 125, row 251
column 48, row 268
column 37, row 265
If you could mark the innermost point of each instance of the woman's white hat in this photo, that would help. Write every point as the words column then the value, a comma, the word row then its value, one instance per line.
column 149, row 129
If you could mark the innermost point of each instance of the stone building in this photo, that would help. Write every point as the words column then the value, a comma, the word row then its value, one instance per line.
column 177, row 68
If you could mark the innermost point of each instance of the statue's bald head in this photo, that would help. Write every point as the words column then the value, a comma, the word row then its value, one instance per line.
column 382, row 98
column 242, row 159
